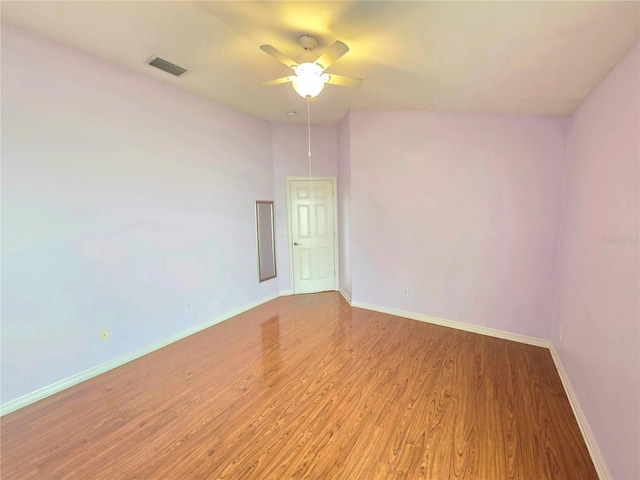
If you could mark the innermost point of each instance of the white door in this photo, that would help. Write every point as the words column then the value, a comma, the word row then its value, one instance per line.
column 312, row 235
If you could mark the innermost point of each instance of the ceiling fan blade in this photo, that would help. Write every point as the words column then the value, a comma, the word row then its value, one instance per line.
column 344, row 81
column 278, row 81
column 278, row 55
column 331, row 54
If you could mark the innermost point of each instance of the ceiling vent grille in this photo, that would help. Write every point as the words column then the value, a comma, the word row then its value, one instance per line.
column 165, row 66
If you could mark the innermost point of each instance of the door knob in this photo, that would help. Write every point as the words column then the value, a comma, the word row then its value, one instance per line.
column 296, row 243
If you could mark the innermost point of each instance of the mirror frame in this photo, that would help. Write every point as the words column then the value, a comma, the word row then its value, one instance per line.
column 266, row 240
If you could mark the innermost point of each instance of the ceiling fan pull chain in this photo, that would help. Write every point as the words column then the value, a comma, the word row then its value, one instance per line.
column 309, row 136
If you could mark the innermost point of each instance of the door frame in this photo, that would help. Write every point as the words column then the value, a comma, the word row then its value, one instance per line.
column 336, row 252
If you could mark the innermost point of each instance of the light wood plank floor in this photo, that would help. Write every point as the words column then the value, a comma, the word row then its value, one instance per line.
column 308, row 387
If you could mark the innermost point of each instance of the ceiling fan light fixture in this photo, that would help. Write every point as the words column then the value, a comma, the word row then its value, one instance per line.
column 309, row 80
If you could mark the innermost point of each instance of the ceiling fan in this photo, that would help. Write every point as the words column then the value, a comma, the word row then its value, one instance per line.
column 310, row 76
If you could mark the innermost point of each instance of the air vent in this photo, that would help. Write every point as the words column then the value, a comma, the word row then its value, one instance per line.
column 166, row 66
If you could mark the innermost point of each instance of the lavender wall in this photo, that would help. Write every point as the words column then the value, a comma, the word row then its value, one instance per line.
column 123, row 199
column 597, row 284
column 291, row 159
column 463, row 210
column 344, row 202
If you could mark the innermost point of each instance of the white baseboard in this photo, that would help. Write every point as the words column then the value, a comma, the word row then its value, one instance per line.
column 492, row 332
column 596, row 455
column 346, row 296
column 58, row 386
column 285, row 293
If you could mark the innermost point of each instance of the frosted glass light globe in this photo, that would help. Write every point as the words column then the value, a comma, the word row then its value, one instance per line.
column 309, row 80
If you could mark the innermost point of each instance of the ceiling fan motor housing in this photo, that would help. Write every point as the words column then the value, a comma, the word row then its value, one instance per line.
column 308, row 42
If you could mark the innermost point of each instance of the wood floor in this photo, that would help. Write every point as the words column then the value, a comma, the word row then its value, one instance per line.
column 308, row 387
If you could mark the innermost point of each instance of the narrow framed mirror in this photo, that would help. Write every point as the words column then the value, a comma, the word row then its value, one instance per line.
column 266, row 240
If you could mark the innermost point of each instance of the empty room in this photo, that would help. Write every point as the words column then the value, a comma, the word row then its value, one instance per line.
column 321, row 240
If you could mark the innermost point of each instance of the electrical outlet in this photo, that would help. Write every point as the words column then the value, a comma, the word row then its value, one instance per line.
column 104, row 335
column 560, row 333
column 188, row 307
column 405, row 292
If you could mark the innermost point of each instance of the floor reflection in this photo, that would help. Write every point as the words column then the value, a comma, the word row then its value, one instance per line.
column 271, row 356
column 342, row 323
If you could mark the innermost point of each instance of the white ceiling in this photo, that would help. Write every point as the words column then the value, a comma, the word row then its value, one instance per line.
column 490, row 57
